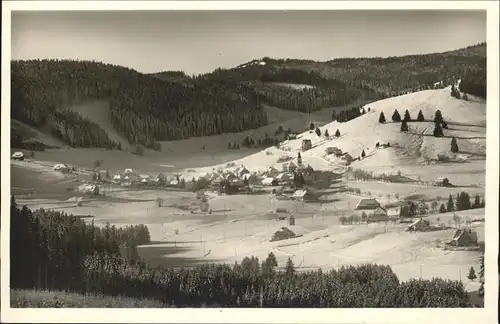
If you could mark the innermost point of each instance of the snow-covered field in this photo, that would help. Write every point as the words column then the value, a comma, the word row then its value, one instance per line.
column 242, row 225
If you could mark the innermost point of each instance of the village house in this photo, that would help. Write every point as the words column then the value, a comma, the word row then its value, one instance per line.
column 305, row 195
column 272, row 172
column 442, row 182
column 378, row 215
column 241, row 172
column 333, row 150
column 269, row 182
column 368, row 204
column 291, row 136
column 464, row 237
column 306, row 144
column 283, row 178
column 284, row 233
column 419, row 225
column 19, row 156
column 128, row 171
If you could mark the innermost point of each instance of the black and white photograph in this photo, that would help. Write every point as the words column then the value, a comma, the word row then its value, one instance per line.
column 228, row 159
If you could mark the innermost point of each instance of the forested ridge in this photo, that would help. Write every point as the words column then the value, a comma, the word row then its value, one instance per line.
column 170, row 105
column 53, row 251
column 144, row 108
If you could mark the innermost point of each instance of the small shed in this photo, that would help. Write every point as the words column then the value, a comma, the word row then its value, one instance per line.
column 61, row 168
column 419, row 225
column 283, row 233
column 306, row 144
column 19, row 156
column 306, row 195
column 442, row 182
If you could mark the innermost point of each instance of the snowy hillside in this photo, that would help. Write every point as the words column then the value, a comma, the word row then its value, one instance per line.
column 466, row 121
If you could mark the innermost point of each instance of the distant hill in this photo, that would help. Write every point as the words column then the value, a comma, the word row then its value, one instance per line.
column 170, row 105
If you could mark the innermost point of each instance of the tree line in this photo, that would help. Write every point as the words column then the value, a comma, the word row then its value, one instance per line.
column 50, row 250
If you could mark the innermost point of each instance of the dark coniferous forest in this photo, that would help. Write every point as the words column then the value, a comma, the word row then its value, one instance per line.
column 53, row 251
column 147, row 108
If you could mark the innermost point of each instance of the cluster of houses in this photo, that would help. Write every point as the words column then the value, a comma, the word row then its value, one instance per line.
column 345, row 157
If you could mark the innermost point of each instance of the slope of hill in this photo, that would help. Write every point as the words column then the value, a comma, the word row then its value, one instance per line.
column 165, row 106
column 466, row 122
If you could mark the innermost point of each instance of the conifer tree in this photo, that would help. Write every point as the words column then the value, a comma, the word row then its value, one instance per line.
column 326, row 133
column 311, row 126
column 363, row 154
column 451, row 206
column 442, row 209
column 472, row 274
column 407, row 116
column 337, row 133
column 438, row 131
column 438, row 117
column 395, row 116
column 381, row 119
column 420, row 116
column 404, row 126
column 289, row 268
column 318, row 131
column 454, row 145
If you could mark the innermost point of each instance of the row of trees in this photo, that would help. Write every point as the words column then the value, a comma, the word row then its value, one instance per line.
column 462, row 202
column 54, row 251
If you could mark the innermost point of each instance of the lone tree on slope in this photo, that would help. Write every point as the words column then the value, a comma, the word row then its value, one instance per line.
column 381, row 119
column 472, row 274
column 326, row 133
column 438, row 131
column 438, row 117
column 311, row 126
column 318, row 131
column 363, row 154
column 396, row 117
column 289, row 268
column 407, row 116
column 299, row 158
column 420, row 116
column 454, row 145
column 404, row 126
column 337, row 133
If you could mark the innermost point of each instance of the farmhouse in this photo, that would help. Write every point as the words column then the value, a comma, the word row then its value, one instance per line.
column 241, row 171
column 19, row 156
column 92, row 190
column 61, row 168
column 292, row 136
column 283, row 178
column 127, row 171
column 464, row 237
column 370, row 204
column 333, row 150
column 378, row 215
column 117, row 177
column 442, row 182
column 419, row 225
column 347, row 157
column 269, row 182
column 306, row 195
column 306, row 144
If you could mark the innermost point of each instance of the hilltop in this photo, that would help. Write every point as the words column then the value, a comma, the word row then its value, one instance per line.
column 90, row 104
